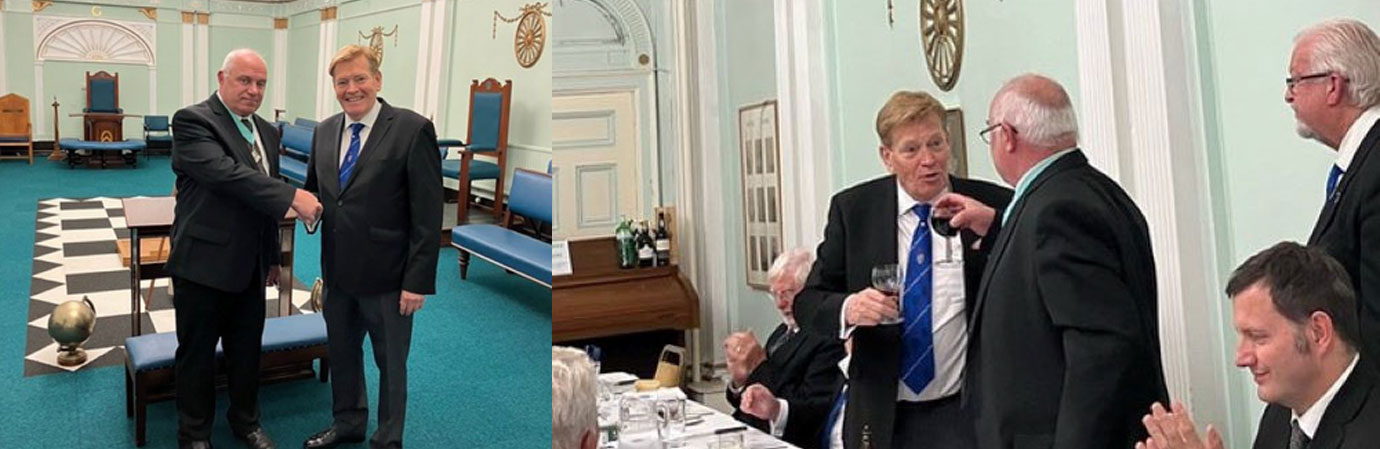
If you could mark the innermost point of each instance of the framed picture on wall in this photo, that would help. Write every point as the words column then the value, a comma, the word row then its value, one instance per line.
column 958, row 142
column 761, row 189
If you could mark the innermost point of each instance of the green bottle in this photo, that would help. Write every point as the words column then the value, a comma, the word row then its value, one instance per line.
column 627, row 249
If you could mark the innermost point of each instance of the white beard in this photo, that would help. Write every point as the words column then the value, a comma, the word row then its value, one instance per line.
column 1306, row 132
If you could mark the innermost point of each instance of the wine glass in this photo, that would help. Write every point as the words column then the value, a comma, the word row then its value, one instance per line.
column 886, row 278
column 939, row 220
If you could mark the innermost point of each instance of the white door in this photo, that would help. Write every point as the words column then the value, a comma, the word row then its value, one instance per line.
column 596, row 162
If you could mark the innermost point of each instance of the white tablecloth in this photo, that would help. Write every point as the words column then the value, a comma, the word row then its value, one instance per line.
column 701, row 422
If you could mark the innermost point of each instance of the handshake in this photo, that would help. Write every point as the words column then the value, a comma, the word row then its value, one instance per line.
column 308, row 209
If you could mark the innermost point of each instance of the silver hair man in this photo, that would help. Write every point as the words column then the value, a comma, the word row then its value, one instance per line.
column 574, row 412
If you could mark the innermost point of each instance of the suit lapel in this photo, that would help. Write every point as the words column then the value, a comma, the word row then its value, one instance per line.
column 371, row 146
column 270, row 140
column 1329, row 212
column 330, row 155
column 1344, row 408
column 226, row 122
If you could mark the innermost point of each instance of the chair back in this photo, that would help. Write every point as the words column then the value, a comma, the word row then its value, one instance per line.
column 531, row 195
column 155, row 123
column 103, row 92
column 14, row 116
column 305, row 122
column 670, row 366
column 489, row 105
column 297, row 140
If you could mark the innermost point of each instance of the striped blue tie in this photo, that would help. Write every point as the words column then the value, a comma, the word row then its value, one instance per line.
column 917, row 341
column 351, row 154
column 833, row 420
column 1332, row 178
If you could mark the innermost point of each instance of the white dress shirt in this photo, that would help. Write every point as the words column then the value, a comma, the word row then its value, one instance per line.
column 948, row 320
column 1313, row 416
column 368, row 121
column 1355, row 136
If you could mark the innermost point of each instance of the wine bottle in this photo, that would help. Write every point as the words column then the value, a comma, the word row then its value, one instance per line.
column 646, row 248
column 663, row 241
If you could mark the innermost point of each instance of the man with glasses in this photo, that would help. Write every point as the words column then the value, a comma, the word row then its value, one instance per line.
column 1064, row 341
column 1334, row 90
column 905, row 378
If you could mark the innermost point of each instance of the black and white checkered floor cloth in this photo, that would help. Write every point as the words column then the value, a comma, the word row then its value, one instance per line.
column 75, row 256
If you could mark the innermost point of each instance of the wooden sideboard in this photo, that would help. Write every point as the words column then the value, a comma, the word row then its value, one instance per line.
column 601, row 300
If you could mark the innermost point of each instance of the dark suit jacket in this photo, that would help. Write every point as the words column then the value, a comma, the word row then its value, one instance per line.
column 1351, row 421
column 804, row 368
column 808, row 423
column 381, row 231
column 861, row 233
column 1064, row 342
column 225, row 227
column 1349, row 230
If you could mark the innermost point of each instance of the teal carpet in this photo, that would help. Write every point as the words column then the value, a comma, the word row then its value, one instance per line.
column 479, row 348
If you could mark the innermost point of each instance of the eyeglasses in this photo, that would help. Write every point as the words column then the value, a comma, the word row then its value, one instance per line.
column 1290, row 82
column 986, row 133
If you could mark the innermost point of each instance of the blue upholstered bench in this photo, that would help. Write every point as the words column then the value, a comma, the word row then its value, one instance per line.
column 516, row 252
column 288, row 343
column 133, row 146
column 292, row 166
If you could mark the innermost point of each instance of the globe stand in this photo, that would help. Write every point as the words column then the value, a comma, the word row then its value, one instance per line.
column 72, row 355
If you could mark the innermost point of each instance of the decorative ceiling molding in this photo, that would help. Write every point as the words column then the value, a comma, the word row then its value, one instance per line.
column 93, row 40
column 41, row 5
column 151, row 13
column 268, row 8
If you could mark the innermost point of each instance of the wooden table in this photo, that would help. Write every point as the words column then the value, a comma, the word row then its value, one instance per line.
column 153, row 217
column 601, row 300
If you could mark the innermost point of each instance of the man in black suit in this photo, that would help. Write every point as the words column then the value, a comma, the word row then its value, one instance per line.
column 378, row 172
column 225, row 246
column 1295, row 314
column 795, row 365
column 904, row 379
column 812, row 422
column 1334, row 90
column 1064, row 337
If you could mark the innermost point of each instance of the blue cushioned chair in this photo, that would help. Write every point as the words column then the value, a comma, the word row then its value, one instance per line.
column 103, row 93
column 156, row 129
column 305, row 122
column 514, row 251
column 488, row 137
column 296, row 152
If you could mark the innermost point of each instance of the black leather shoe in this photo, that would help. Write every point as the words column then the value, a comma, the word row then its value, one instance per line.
column 328, row 438
column 257, row 439
column 194, row 445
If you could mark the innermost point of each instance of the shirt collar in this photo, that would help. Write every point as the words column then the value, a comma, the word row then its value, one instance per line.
column 1310, row 419
column 1355, row 135
column 843, row 365
column 245, row 131
column 1024, row 183
column 369, row 117
column 904, row 202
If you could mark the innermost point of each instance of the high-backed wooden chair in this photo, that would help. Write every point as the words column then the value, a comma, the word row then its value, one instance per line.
column 488, row 138
column 103, row 117
column 16, row 132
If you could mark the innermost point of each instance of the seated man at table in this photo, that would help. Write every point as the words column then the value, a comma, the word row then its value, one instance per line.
column 795, row 365
column 574, row 412
column 810, row 423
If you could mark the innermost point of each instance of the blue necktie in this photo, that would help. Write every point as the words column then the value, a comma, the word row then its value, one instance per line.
column 917, row 341
column 1332, row 179
column 351, row 154
column 833, row 418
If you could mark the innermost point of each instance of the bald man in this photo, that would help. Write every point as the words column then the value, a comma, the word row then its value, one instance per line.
column 1064, row 343
column 225, row 247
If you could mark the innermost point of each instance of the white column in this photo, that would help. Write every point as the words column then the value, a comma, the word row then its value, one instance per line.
column 1097, row 117
column 325, row 95
column 802, row 88
column 4, row 86
column 188, row 44
column 40, row 122
column 438, row 70
column 322, row 80
column 153, row 90
column 203, row 65
column 421, row 96
column 279, row 72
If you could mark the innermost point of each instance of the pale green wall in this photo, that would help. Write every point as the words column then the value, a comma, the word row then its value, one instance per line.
column 303, row 37
column 747, row 75
column 869, row 60
column 1253, row 148
column 473, row 53
column 400, row 62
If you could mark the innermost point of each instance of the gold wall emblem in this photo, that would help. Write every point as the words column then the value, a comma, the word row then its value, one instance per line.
column 375, row 38
column 530, row 38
